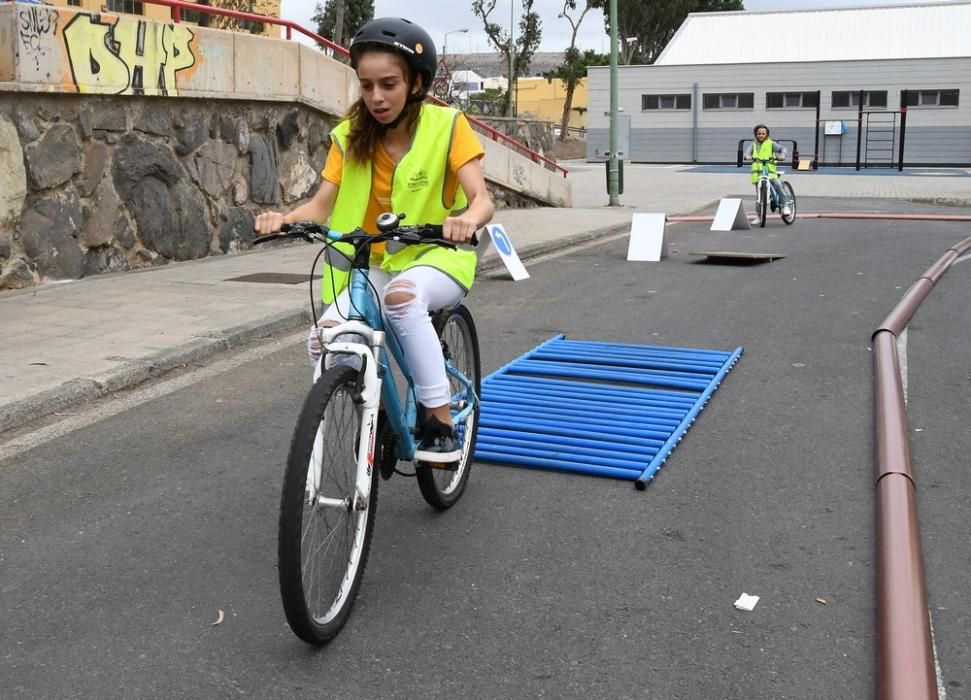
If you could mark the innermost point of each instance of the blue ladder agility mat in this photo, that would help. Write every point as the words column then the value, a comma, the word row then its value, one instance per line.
column 605, row 409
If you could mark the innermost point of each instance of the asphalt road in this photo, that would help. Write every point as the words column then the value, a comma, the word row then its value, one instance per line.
column 121, row 542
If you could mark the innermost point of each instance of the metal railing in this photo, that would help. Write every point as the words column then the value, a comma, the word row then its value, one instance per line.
column 179, row 6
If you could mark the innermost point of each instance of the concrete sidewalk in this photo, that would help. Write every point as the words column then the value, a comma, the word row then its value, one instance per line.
column 62, row 343
column 67, row 342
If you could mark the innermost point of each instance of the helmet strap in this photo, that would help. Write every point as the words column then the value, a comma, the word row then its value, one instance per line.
column 412, row 99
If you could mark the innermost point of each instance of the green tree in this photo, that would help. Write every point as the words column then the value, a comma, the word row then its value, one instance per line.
column 530, row 34
column 353, row 14
column 644, row 27
column 573, row 68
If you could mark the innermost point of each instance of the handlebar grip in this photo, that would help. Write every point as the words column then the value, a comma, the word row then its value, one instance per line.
column 264, row 239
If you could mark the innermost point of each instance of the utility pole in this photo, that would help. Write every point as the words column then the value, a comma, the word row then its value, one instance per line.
column 613, row 177
column 512, row 57
column 339, row 24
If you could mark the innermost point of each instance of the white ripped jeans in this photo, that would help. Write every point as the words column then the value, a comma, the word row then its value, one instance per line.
column 431, row 290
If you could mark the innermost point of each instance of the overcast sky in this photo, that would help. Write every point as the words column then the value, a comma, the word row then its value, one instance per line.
column 441, row 16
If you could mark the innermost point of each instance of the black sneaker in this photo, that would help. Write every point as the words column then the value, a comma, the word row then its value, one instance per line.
column 772, row 206
column 437, row 445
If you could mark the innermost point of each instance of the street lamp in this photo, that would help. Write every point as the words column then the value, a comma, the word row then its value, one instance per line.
column 445, row 40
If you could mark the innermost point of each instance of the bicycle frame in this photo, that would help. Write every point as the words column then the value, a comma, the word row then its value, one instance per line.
column 773, row 195
column 379, row 387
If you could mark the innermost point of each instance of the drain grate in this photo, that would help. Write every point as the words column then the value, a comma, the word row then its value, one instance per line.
column 604, row 409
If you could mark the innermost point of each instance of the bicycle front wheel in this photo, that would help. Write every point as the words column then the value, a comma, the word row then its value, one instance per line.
column 763, row 204
column 442, row 488
column 325, row 524
column 791, row 196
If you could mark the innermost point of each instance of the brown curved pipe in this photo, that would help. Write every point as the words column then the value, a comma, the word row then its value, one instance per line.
column 905, row 656
column 897, row 320
column 891, row 449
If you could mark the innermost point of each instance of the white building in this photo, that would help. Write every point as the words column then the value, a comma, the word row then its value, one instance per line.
column 716, row 80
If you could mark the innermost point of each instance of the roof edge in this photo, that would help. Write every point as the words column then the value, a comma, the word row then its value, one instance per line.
column 852, row 8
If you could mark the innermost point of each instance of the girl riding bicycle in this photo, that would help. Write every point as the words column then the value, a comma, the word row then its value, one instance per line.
column 395, row 153
column 765, row 149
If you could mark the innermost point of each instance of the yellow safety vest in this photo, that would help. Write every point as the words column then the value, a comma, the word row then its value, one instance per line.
column 417, row 190
column 765, row 151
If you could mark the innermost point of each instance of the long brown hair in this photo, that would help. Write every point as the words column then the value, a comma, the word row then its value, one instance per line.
column 366, row 131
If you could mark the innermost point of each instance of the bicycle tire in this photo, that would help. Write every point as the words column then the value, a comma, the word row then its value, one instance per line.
column 792, row 204
column 763, row 203
column 318, row 596
column 442, row 488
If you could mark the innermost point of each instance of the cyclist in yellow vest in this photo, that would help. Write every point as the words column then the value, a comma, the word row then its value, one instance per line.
column 765, row 148
column 395, row 153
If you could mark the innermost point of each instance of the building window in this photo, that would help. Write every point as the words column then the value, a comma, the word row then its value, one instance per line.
column 851, row 98
column 129, row 6
column 728, row 100
column 74, row 3
column 665, row 102
column 791, row 100
column 932, row 98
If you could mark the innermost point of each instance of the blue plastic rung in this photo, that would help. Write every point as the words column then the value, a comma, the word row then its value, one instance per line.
column 605, row 409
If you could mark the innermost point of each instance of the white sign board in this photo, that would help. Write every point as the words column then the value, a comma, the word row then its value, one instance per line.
column 833, row 128
column 497, row 236
column 648, row 239
column 730, row 216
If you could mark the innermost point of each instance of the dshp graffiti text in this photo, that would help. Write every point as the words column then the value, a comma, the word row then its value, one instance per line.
column 124, row 55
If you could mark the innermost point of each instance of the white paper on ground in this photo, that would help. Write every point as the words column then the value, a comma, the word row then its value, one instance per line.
column 746, row 602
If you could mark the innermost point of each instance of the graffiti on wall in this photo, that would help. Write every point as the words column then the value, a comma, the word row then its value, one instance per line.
column 35, row 26
column 125, row 55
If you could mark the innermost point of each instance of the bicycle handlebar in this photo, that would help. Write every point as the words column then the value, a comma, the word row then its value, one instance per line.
column 311, row 231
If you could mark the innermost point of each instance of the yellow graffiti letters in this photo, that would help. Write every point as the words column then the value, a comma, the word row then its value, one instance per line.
column 95, row 67
column 127, row 56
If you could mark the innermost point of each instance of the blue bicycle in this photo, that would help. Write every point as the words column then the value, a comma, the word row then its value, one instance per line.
column 766, row 196
column 354, row 420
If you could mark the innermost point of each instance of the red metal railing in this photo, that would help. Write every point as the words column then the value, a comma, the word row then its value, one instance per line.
column 178, row 6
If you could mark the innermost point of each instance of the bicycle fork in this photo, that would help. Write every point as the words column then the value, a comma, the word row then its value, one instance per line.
column 367, row 394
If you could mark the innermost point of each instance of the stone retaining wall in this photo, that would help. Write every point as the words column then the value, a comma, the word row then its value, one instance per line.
column 534, row 133
column 104, row 184
column 127, row 143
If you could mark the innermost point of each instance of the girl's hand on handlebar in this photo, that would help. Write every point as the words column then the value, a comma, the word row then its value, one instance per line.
column 459, row 229
column 269, row 222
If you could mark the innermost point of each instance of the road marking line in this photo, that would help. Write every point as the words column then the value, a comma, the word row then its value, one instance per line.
column 941, row 689
column 962, row 259
column 902, row 361
column 124, row 400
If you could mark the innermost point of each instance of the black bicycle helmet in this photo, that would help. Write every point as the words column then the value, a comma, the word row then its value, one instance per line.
column 761, row 126
column 406, row 38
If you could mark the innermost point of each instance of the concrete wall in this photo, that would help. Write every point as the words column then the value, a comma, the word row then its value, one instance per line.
column 202, row 126
column 939, row 135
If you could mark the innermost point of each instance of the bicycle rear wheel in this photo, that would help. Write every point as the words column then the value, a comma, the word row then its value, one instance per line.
column 791, row 195
column 442, row 488
column 325, row 526
column 763, row 204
